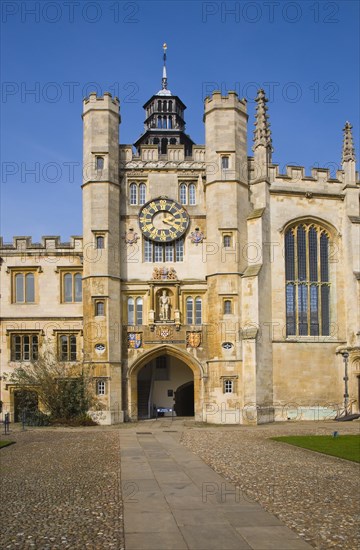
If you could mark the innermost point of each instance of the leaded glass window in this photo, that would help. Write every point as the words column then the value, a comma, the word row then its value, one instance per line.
column 307, row 281
column 183, row 193
column 133, row 193
column 192, row 194
column 189, row 310
column 24, row 347
column 198, row 311
column 142, row 193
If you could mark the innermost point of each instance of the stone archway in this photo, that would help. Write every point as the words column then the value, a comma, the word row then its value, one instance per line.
column 171, row 351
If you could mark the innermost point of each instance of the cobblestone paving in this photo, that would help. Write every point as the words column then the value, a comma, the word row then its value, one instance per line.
column 60, row 488
column 315, row 495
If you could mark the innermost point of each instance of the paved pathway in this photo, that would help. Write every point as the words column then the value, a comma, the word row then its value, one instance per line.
column 173, row 500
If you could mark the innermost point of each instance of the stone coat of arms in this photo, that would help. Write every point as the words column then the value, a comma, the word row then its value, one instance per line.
column 164, row 332
column 134, row 340
column 193, row 339
column 197, row 236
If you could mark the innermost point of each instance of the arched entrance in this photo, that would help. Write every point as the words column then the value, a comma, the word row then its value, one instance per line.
column 166, row 379
column 184, row 399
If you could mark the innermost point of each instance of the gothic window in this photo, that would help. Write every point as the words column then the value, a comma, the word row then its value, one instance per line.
column 133, row 193
column 139, row 311
column 24, row 288
column 135, row 311
column 142, row 193
column 183, row 193
column 198, row 311
column 227, row 307
column 307, row 281
column 187, row 193
column 158, row 252
column 189, row 310
column 24, row 347
column 192, row 194
column 130, row 311
column 67, row 347
column 72, row 287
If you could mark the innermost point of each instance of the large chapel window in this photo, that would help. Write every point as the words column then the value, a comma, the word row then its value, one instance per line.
column 307, row 281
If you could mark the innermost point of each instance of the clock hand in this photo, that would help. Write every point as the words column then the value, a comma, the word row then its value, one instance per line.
column 168, row 222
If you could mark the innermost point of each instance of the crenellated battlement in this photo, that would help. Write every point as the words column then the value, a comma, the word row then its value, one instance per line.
column 229, row 101
column 48, row 243
column 297, row 174
column 100, row 103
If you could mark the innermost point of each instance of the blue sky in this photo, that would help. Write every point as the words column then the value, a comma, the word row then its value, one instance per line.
column 304, row 54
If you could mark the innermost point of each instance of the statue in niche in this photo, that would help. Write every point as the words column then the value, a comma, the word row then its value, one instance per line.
column 164, row 302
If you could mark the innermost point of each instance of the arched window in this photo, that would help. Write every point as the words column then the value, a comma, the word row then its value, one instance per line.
column 164, row 143
column 164, row 106
column 24, row 287
column 159, row 122
column 189, row 310
column 164, row 121
column 307, row 281
column 198, row 311
column 130, row 312
column 183, row 193
column 139, row 311
column 159, row 105
column 172, row 141
column 192, row 194
column 142, row 193
column 133, row 193
column 78, row 287
column 68, row 287
column 72, row 291
column 227, row 307
column 170, row 122
column 170, row 106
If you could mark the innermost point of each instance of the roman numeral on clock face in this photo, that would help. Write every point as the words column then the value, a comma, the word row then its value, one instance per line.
column 163, row 220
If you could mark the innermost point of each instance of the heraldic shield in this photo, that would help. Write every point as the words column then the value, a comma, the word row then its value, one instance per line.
column 134, row 340
column 193, row 339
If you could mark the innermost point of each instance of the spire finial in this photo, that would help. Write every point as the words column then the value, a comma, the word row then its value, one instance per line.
column 262, row 132
column 164, row 76
column 348, row 152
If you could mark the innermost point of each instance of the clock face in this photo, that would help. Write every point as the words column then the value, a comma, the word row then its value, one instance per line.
column 163, row 220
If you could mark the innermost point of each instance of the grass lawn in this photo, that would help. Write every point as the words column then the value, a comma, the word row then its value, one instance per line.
column 343, row 446
column 5, row 443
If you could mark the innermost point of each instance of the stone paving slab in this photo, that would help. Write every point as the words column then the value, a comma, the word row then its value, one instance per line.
column 181, row 503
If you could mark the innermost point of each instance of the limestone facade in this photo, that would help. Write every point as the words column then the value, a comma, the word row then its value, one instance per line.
column 261, row 282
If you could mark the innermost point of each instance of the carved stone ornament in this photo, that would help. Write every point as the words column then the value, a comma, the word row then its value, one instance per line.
column 197, row 236
column 164, row 332
column 134, row 340
column 164, row 274
column 193, row 339
column 131, row 237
